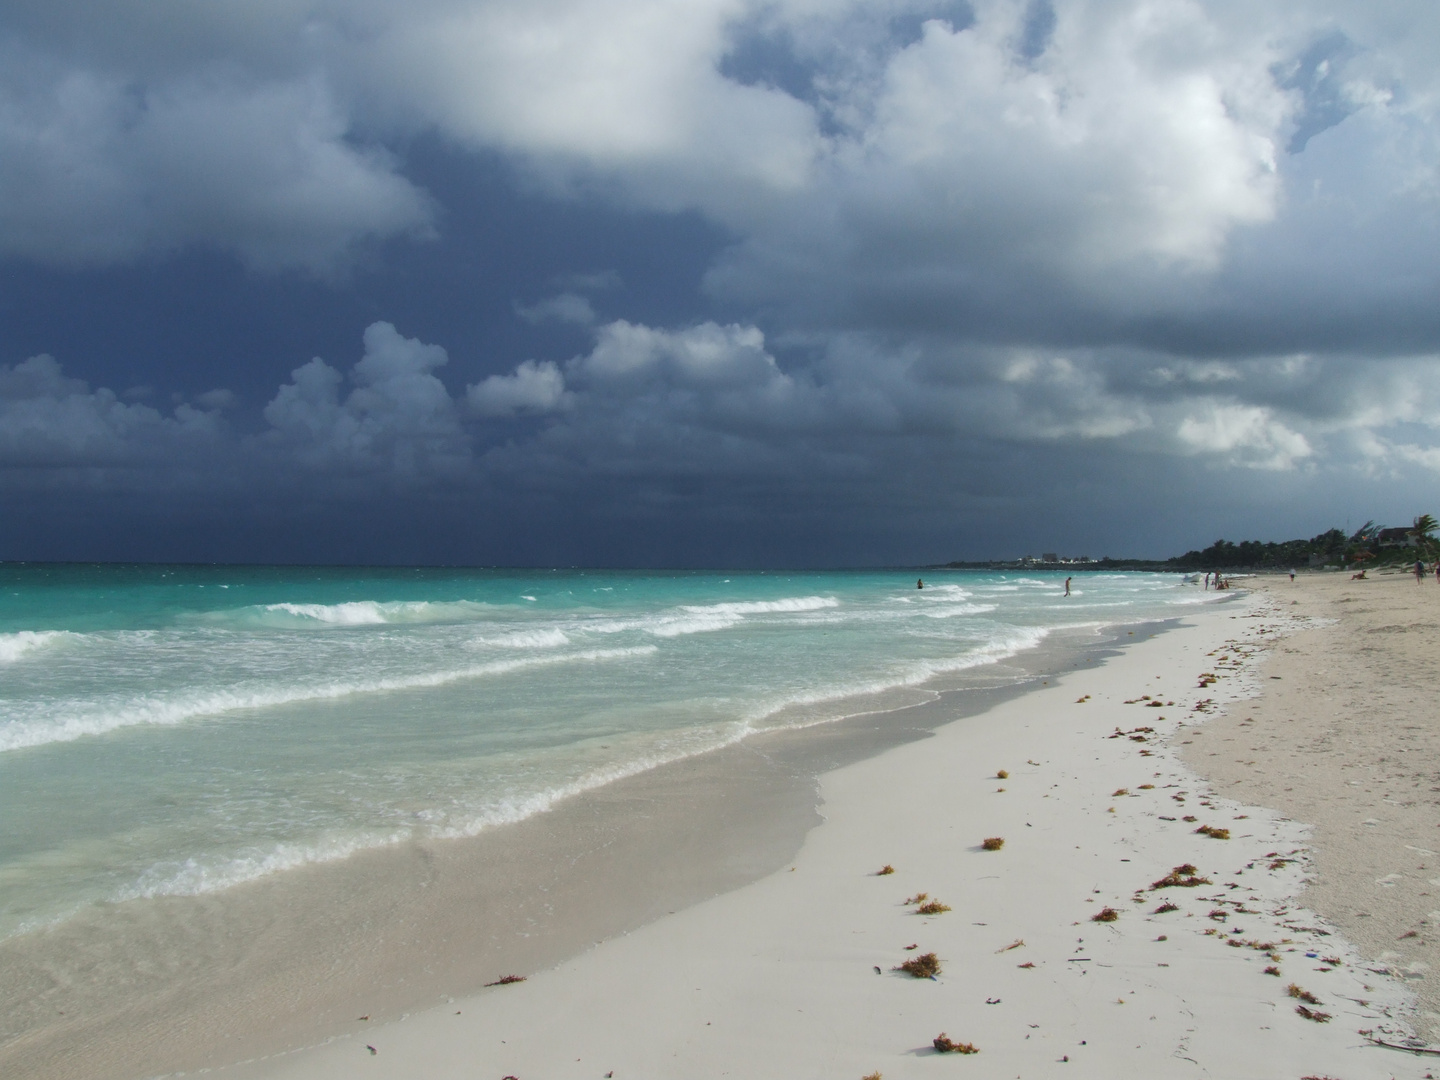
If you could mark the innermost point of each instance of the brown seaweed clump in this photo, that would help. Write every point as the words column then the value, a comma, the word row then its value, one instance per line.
column 934, row 907
column 946, row 1045
column 884, row 870
column 1003, row 774
column 873, row 1076
column 1214, row 833
column 1304, row 995
column 1313, row 1014
column 924, row 966
column 1184, row 876
column 993, row 843
column 1105, row 914
column 918, row 898
column 1166, row 906
column 507, row 980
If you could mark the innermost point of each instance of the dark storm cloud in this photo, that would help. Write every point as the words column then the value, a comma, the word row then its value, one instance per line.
column 976, row 255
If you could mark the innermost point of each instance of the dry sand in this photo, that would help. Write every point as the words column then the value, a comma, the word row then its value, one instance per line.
column 1346, row 737
column 793, row 975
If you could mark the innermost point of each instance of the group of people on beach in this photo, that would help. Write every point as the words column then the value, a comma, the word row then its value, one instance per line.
column 1220, row 582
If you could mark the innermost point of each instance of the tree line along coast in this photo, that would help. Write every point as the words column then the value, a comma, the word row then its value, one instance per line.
column 1371, row 546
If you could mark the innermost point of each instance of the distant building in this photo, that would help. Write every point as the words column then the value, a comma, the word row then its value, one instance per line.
column 1049, row 556
column 1393, row 538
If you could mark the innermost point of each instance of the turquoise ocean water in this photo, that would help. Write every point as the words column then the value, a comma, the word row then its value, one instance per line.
column 173, row 730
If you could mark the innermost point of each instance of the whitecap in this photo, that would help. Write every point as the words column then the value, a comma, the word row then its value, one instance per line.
column 22, row 643
column 351, row 613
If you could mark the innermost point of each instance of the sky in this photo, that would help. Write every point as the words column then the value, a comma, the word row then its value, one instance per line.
column 713, row 283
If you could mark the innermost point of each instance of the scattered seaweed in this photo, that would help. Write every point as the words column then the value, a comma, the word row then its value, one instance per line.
column 1027, row 964
column 918, row 898
column 1018, row 943
column 1219, row 915
column 1184, row 876
column 934, row 907
column 1105, row 914
column 924, row 966
column 945, row 1045
column 1118, row 792
column 1304, row 995
column 884, row 870
column 1313, row 1014
column 876, row 1075
column 993, row 843
column 1147, row 787
column 1213, row 832
column 506, row 980
column 1273, row 970
column 1166, row 906
column 1003, row 774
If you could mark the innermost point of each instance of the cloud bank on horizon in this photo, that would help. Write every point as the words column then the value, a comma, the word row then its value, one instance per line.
column 1097, row 263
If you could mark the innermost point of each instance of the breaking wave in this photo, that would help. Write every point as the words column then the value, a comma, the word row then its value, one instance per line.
column 179, row 708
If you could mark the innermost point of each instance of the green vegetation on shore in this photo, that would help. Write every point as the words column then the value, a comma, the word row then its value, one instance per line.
column 1369, row 545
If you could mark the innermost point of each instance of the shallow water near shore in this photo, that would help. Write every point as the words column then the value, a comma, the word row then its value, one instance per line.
column 173, row 731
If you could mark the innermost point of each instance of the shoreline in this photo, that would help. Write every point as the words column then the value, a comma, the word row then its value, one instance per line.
column 290, row 960
column 793, row 974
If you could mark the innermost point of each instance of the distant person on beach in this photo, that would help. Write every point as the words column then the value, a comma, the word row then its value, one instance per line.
column 1067, row 586
column 1207, row 580
column 1292, row 573
column 1437, row 572
column 919, row 583
column 1419, row 571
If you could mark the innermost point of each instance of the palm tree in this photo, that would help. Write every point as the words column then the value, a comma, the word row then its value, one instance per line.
column 1423, row 530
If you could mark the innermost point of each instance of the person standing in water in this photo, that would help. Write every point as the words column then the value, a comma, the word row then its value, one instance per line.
column 919, row 583
column 1067, row 586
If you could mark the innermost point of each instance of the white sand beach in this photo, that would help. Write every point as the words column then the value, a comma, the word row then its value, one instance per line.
column 794, row 975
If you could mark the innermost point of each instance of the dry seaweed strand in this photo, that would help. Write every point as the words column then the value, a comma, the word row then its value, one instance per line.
column 884, row 870
column 1304, row 995
column 1184, row 876
column 945, row 1045
column 918, row 898
column 1313, row 1014
column 1105, row 914
column 934, row 907
column 924, row 966
column 506, row 980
